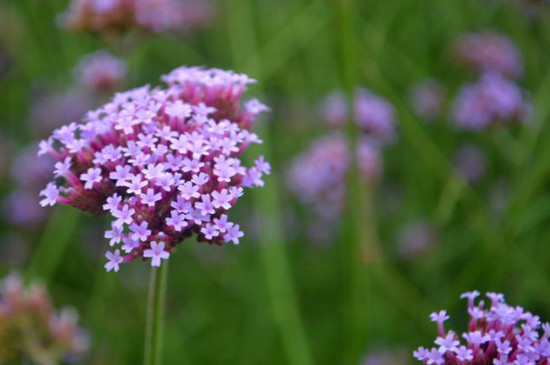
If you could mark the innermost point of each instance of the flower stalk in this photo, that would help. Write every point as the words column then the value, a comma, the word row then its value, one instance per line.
column 154, row 329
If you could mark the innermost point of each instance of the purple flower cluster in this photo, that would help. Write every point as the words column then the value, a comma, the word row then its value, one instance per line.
column 157, row 16
column 427, row 99
column 30, row 328
column 318, row 176
column 493, row 100
column 372, row 113
column 488, row 52
column 498, row 335
column 163, row 162
column 101, row 72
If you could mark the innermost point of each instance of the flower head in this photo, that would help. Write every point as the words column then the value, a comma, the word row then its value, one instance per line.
column 30, row 328
column 101, row 72
column 488, row 52
column 491, row 101
column 155, row 16
column 318, row 176
column 161, row 178
column 499, row 334
column 373, row 114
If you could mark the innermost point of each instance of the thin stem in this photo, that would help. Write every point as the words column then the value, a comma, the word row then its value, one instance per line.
column 155, row 315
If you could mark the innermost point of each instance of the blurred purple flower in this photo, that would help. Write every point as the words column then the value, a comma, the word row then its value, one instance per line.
column 157, row 16
column 101, row 72
column 470, row 162
column 318, row 176
column 334, row 110
column 417, row 238
column 30, row 328
column 163, row 162
column 427, row 99
column 488, row 52
column 498, row 335
column 55, row 109
column 491, row 101
column 373, row 114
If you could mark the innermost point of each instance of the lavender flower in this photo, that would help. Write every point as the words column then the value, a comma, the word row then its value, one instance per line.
column 31, row 328
column 470, row 162
column 318, row 176
column 498, row 335
column 101, row 72
column 427, row 99
column 373, row 114
column 491, row 101
column 163, row 162
column 157, row 16
column 488, row 52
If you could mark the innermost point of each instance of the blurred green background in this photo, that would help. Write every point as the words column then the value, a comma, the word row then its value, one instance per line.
column 279, row 297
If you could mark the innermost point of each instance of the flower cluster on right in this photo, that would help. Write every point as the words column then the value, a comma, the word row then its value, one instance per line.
column 499, row 334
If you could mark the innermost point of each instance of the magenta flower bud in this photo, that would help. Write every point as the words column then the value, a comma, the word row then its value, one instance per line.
column 164, row 163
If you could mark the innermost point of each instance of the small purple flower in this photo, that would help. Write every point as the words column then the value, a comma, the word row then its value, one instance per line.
column 114, row 260
column 156, row 253
column 101, row 72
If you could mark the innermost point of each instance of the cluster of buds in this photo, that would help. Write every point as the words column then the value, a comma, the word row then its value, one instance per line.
column 491, row 101
column 101, row 72
column 373, row 114
column 157, row 16
column 30, row 328
column 163, row 162
column 498, row 335
column 428, row 99
column 488, row 52
column 318, row 176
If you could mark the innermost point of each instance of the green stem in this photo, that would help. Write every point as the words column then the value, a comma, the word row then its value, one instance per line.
column 155, row 315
